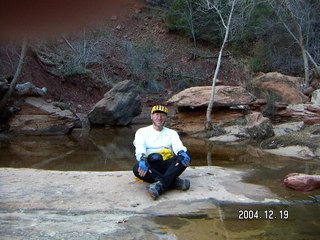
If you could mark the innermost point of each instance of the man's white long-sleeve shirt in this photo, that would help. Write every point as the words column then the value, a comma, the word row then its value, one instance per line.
column 148, row 140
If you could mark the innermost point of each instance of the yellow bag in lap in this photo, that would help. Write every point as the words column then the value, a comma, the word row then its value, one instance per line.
column 166, row 154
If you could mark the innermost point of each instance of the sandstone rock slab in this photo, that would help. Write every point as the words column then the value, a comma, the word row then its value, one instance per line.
column 37, row 204
column 199, row 97
column 38, row 117
column 308, row 113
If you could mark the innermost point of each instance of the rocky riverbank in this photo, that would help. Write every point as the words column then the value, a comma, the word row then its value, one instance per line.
column 278, row 117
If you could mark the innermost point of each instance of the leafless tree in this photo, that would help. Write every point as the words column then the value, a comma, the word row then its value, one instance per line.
column 190, row 19
column 211, row 4
column 188, row 12
column 16, row 76
column 299, row 18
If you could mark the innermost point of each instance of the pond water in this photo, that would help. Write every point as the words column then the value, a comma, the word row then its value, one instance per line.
column 111, row 149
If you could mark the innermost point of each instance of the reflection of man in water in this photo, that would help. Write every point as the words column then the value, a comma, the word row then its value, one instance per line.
column 161, row 155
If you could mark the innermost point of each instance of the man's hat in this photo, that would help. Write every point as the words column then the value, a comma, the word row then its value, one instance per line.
column 159, row 108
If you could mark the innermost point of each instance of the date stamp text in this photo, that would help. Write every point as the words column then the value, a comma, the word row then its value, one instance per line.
column 268, row 214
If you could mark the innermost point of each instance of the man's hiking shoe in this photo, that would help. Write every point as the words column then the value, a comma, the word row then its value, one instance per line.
column 154, row 190
column 181, row 184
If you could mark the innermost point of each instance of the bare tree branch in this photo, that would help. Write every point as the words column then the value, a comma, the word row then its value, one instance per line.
column 210, row 105
column 69, row 44
column 17, row 75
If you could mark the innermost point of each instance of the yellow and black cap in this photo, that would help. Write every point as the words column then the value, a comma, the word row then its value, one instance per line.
column 159, row 108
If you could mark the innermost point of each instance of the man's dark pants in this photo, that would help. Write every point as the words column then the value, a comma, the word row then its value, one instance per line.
column 165, row 171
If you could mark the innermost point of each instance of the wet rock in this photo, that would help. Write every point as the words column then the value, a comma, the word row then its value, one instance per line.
column 39, row 117
column 285, row 128
column 237, row 130
column 118, row 107
column 302, row 144
column 28, row 89
column 231, row 134
column 216, row 130
column 198, row 97
column 315, row 99
column 258, row 126
column 301, row 152
column 225, row 138
column 284, row 86
column 303, row 182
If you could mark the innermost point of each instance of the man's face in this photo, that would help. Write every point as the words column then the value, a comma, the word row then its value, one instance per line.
column 158, row 119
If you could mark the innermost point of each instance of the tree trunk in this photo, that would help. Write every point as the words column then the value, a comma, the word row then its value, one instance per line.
column 305, row 58
column 306, row 68
column 210, row 105
column 190, row 20
column 316, row 66
column 16, row 77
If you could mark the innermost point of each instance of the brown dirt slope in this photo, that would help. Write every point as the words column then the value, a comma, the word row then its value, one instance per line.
column 136, row 23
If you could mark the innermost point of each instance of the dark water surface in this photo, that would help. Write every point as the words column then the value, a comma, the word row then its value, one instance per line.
column 223, row 223
column 111, row 149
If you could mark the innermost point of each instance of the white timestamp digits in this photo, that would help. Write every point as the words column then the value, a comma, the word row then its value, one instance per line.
column 269, row 214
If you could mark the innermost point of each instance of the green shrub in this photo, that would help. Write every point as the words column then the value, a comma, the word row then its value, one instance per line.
column 270, row 108
column 259, row 61
column 189, row 18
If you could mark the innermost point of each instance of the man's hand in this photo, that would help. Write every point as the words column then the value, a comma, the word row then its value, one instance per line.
column 142, row 170
column 186, row 159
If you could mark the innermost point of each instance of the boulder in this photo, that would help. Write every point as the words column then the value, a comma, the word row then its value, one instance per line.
column 118, row 106
column 38, row 117
column 199, row 97
column 258, row 126
column 315, row 99
column 286, row 128
column 303, row 182
column 28, row 89
column 287, row 88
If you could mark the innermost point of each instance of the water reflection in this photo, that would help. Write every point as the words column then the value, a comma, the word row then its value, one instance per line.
column 224, row 222
column 97, row 150
column 111, row 149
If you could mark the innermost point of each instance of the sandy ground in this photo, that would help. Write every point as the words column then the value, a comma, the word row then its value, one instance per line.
column 39, row 204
